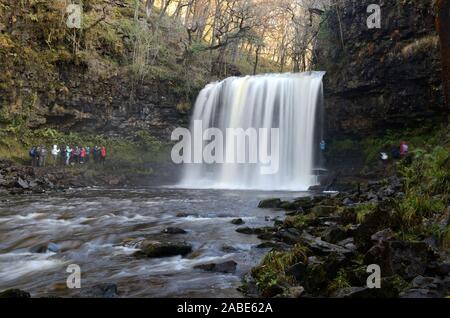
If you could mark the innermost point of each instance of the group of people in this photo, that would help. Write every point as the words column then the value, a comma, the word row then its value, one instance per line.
column 67, row 155
column 396, row 152
column 38, row 155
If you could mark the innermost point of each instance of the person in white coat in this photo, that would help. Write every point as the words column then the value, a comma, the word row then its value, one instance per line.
column 55, row 153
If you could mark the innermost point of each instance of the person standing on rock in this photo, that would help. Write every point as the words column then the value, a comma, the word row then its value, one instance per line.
column 96, row 154
column 33, row 156
column 82, row 155
column 55, row 154
column 38, row 156
column 404, row 148
column 68, row 155
column 73, row 157
column 77, row 154
column 103, row 154
column 323, row 145
column 88, row 154
column 42, row 156
column 63, row 155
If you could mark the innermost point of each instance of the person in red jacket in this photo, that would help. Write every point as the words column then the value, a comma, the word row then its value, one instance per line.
column 83, row 155
column 103, row 154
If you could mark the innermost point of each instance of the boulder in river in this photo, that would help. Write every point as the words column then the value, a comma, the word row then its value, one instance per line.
column 14, row 293
column 229, row 249
column 100, row 291
column 238, row 221
column 174, row 231
column 44, row 248
column 226, row 267
column 254, row 231
column 186, row 215
column 160, row 250
column 270, row 204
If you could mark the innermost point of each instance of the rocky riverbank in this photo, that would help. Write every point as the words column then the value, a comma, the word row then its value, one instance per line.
column 324, row 247
column 18, row 179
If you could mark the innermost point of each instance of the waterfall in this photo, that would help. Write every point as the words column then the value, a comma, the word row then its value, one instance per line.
column 288, row 103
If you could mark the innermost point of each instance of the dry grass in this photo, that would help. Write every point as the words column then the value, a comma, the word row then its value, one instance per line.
column 420, row 45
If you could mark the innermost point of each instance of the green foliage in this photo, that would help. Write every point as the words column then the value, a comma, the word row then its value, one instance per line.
column 272, row 271
column 427, row 187
column 148, row 142
column 362, row 210
column 298, row 222
column 340, row 281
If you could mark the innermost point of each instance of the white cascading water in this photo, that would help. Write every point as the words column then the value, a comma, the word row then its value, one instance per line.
column 285, row 101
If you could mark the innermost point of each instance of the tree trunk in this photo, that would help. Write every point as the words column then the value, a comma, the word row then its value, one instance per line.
column 164, row 6
column 255, row 68
column 149, row 7
column 443, row 27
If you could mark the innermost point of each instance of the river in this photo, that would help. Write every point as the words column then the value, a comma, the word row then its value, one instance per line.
column 88, row 227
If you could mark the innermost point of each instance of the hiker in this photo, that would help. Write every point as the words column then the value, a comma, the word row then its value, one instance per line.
column 395, row 152
column 38, row 156
column 82, row 155
column 96, row 154
column 42, row 156
column 88, row 154
column 404, row 149
column 68, row 155
column 63, row 155
column 103, row 154
column 33, row 156
column 384, row 157
column 77, row 154
column 55, row 154
column 73, row 156
column 323, row 145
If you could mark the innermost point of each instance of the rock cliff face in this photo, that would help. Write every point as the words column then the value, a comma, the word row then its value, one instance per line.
column 114, row 104
column 53, row 76
column 380, row 79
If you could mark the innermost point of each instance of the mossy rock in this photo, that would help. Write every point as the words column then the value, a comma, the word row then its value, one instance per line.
column 323, row 210
column 270, row 204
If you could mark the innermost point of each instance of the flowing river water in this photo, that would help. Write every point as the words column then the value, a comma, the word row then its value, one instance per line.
column 88, row 227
